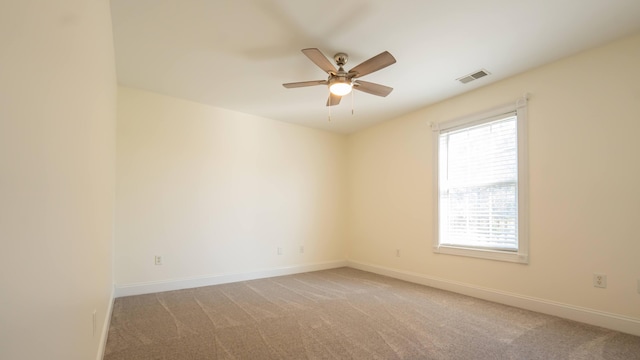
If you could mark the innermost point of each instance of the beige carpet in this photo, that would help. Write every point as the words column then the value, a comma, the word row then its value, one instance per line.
column 345, row 314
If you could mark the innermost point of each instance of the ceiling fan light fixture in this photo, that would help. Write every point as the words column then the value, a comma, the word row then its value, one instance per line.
column 341, row 82
column 340, row 86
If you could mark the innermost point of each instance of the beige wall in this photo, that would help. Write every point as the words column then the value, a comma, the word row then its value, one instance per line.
column 217, row 192
column 57, row 177
column 584, row 171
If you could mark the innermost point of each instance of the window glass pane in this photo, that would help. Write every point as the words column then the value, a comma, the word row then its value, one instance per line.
column 478, row 185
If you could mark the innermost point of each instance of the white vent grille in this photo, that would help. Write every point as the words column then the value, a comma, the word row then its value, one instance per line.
column 474, row 76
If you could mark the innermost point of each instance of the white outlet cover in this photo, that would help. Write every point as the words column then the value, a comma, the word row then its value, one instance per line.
column 600, row 280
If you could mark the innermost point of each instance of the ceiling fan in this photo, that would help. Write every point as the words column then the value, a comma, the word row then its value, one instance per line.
column 341, row 82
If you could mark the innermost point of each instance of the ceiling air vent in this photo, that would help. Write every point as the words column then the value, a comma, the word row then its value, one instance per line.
column 474, row 76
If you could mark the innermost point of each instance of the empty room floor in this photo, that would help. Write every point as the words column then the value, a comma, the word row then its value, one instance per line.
column 345, row 314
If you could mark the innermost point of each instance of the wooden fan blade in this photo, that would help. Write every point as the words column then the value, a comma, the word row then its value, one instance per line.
column 376, row 63
column 319, row 59
column 304, row 83
column 333, row 99
column 372, row 88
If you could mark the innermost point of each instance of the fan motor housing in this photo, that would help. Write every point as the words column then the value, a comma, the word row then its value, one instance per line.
column 341, row 58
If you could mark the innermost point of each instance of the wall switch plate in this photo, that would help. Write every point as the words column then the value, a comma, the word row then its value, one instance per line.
column 279, row 251
column 301, row 249
column 158, row 260
column 397, row 252
column 600, row 280
column 638, row 286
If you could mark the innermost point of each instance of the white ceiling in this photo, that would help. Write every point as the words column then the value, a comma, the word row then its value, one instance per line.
column 235, row 54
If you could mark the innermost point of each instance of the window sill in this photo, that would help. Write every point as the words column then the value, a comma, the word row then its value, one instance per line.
column 483, row 254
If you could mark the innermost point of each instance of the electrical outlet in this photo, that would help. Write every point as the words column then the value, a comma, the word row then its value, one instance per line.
column 279, row 251
column 600, row 280
column 397, row 252
column 158, row 260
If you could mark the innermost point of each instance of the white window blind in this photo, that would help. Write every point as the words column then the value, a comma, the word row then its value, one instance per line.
column 478, row 185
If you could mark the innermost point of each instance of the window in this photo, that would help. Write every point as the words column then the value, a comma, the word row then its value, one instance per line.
column 481, row 185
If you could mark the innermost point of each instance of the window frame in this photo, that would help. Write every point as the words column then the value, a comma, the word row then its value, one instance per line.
column 522, row 253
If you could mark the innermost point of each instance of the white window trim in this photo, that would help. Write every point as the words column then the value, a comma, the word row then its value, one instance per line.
column 522, row 255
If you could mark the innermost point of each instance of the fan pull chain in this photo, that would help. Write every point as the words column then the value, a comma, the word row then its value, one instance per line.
column 329, row 112
column 353, row 95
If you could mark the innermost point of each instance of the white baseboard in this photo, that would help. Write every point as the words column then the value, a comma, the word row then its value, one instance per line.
column 105, row 327
column 178, row 284
column 603, row 319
